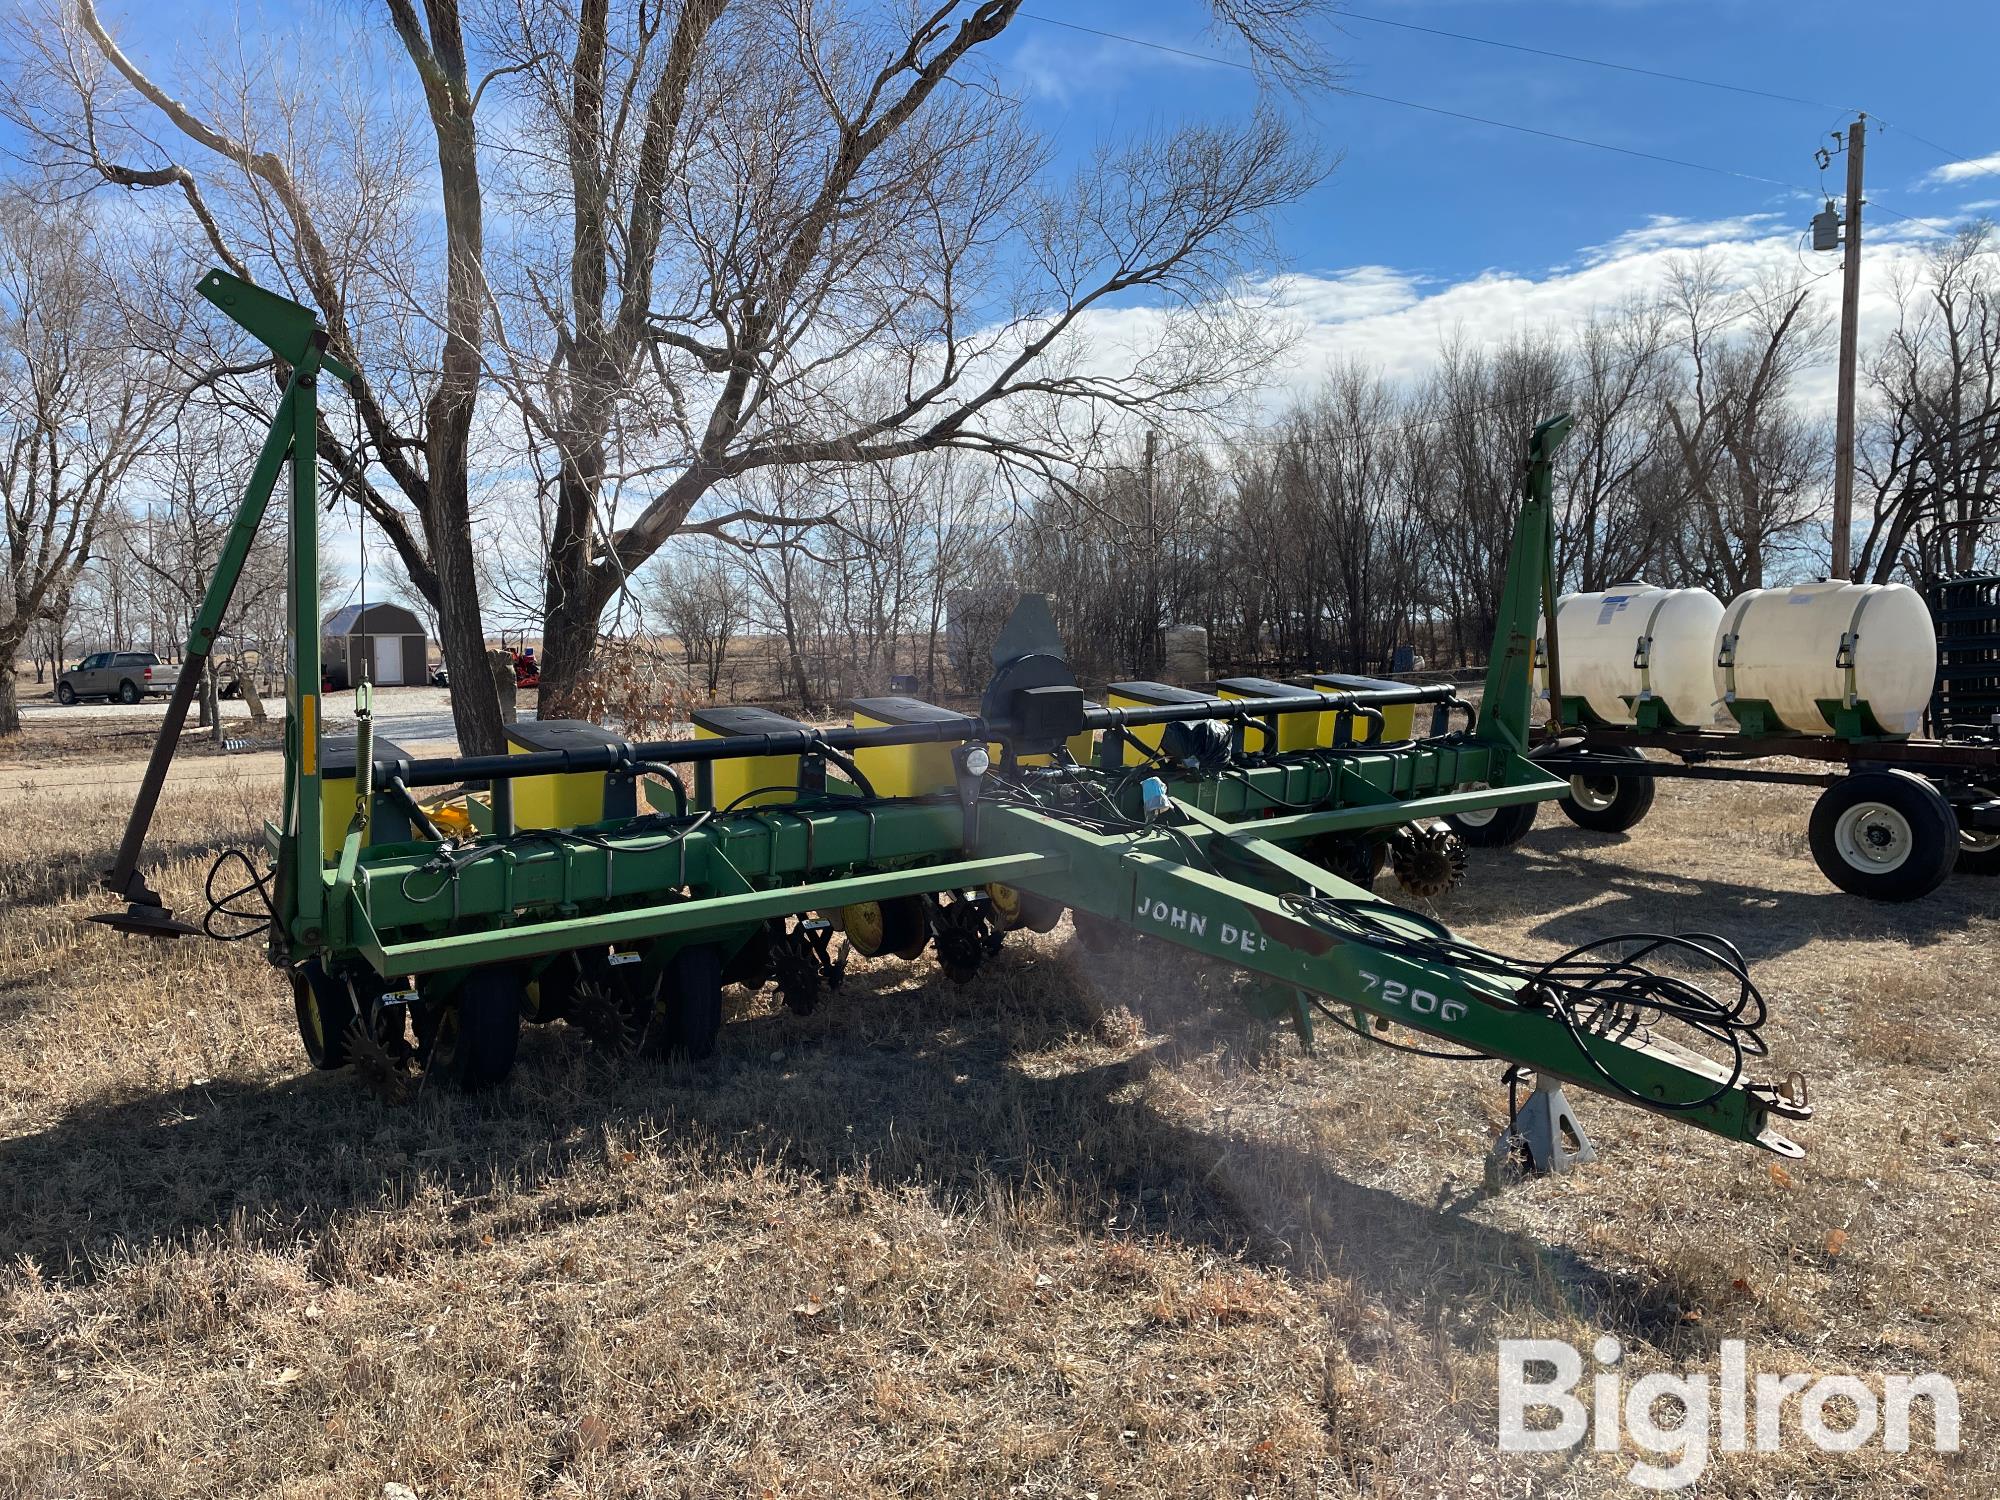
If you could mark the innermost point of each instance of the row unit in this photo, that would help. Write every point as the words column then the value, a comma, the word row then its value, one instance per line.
column 579, row 799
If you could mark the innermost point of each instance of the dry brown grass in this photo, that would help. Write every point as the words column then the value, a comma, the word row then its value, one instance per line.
column 1069, row 1229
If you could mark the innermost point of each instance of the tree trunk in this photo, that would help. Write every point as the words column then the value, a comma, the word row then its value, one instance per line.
column 569, row 611
column 569, row 636
column 475, row 703
column 211, row 699
column 10, row 708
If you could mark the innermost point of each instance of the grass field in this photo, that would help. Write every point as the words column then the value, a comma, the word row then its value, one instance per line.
column 1075, row 1228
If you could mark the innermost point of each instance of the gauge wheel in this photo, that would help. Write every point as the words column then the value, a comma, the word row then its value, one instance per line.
column 1609, row 804
column 470, row 1038
column 325, row 1008
column 691, row 997
column 1014, row 909
column 1493, row 827
column 898, row 925
column 1885, row 835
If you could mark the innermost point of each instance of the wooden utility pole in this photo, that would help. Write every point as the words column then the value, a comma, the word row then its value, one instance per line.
column 1850, row 306
column 1153, row 621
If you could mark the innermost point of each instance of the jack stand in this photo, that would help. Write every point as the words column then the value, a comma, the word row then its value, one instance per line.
column 1542, row 1136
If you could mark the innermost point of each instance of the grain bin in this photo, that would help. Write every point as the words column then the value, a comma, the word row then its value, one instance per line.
column 1850, row 659
column 1633, row 642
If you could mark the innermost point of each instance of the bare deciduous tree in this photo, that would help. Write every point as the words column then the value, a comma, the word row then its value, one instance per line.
column 1930, row 450
column 80, row 402
column 789, row 236
column 310, row 183
column 1748, row 458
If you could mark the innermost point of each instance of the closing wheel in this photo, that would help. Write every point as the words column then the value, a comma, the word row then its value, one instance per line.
column 1493, row 827
column 691, row 1001
column 325, row 1008
column 1979, row 850
column 1886, row 835
column 899, row 925
column 470, row 1039
column 1609, row 804
column 611, row 1001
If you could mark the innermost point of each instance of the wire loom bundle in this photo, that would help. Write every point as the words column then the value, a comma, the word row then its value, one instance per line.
column 1604, row 988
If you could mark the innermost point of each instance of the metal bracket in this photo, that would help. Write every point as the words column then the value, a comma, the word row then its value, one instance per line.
column 1544, row 1129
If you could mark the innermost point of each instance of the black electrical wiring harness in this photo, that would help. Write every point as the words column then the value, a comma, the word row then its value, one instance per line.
column 1611, row 987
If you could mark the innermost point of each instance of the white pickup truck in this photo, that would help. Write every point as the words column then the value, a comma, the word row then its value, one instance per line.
column 127, row 676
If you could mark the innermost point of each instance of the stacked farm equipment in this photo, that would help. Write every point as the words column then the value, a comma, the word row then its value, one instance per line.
column 620, row 886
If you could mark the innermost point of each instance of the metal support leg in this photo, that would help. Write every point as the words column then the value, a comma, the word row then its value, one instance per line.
column 1544, row 1130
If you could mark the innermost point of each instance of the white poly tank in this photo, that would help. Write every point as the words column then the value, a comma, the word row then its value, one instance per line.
column 1846, row 643
column 1634, row 640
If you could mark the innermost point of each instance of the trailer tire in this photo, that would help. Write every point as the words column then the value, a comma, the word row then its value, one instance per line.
column 1493, row 827
column 1884, row 835
column 1609, row 804
column 325, row 1009
column 691, row 995
column 472, row 1038
column 1978, row 853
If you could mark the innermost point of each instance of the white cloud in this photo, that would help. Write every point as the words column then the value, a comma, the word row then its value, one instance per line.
column 1394, row 320
column 1963, row 171
column 1342, row 296
column 1666, row 232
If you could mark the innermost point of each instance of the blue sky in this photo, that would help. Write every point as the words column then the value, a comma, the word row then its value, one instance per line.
column 1447, row 199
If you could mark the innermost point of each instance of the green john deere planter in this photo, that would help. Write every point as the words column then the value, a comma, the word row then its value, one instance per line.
column 620, row 885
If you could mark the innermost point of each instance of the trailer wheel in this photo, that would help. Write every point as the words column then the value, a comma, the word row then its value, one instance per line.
column 1609, row 804
column 470, row 1040
column 1978, row 850
column 325, row 1009
column 1493, row 827
column 1885, row 835
column 692, row 996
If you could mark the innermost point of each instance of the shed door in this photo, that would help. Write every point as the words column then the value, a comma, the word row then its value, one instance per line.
column 388, row 660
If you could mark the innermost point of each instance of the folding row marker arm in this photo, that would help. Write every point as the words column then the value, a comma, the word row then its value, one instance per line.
column 1201, row 850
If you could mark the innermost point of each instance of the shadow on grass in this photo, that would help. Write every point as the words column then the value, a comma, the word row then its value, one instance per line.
column 1568, row 872
column 988, row 1097
column 69, row 876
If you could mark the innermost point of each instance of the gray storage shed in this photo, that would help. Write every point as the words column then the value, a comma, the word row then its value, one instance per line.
column 387, row 638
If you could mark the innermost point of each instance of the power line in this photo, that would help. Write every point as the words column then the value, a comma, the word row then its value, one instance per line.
column 1944, row 151
column 1553, row 135
column 1594, row 62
